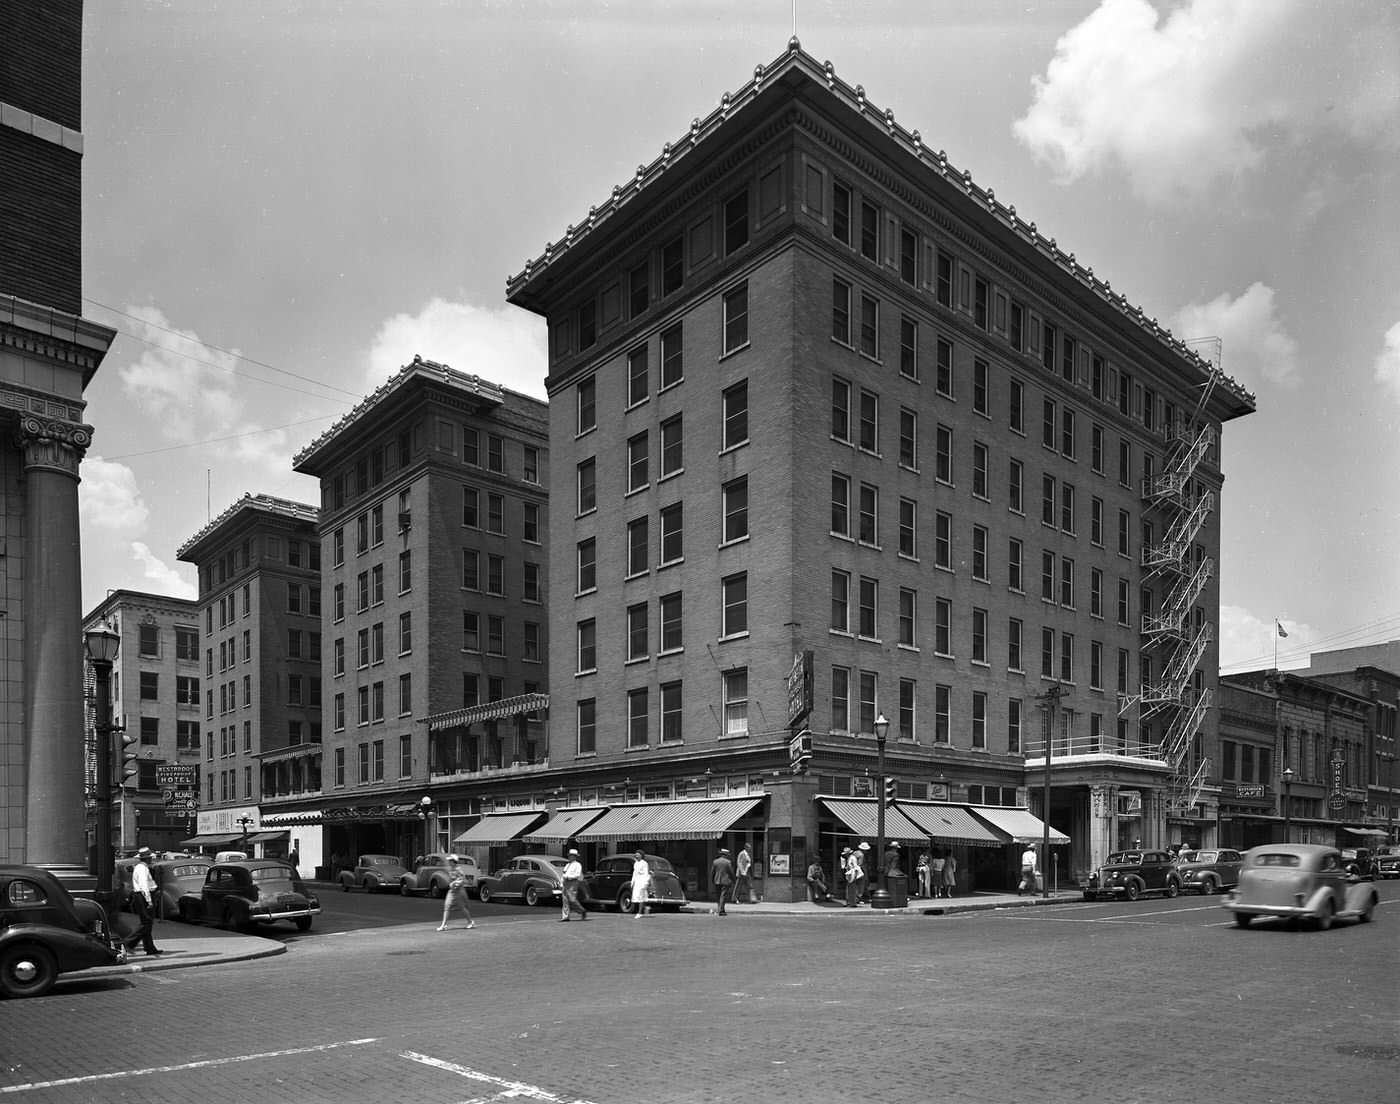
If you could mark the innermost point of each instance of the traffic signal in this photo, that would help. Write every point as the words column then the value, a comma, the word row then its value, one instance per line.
column 130, row 765
column 890, row 791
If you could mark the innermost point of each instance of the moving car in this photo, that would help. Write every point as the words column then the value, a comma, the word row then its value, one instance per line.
column 1207, row 872
column 241, row 895
column 1388, row 861
column 1359, row 861
column 373, row 873
column 611, row 883
column 1300, row 881
column 1132, row 874
column 528, row 878
column 175, row 878
column 45, row 931
column 432, row 877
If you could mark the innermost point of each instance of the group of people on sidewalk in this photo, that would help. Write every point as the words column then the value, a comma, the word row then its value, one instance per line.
column 937, row 874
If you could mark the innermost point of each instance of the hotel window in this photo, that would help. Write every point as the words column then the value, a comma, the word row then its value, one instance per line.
column 405, row 572
column 736, row 318
column 735, row 600
column 495, row 514
column 471, row 508
column 587, row 565
column 1096, row 665
column 943, row 540
column 736, row 221
column 1017, row 419
column 1013, row 725
column 943, row 380
column 908, row 617
column 587, row 486
column 1015, row 486
column 1048, row 430
column 735, row 686
column 638, row 546
column 1096, row 376
column 671, row 622
column 586, row 632
column 1066, row 657
column 908, row 515
column 840, row 505
column 587, row 727
column 1066, row 582
column 638, row 632
column 980, row 295
column 639, row 289
column 943, row 284
column 908, row 256
column 979, row 387
column 405, row 633
column 1124, row 613
column 638, row 463
column 530, row 581
column 637, row 378
column 869, row 514
column 1047, row 576
column 1047, row 500
column 672, row 446
column 338, row 547
column 869, row 697
column 530, row 527
column 496, row 575
column 672, row 360
column 943, row 626
column 979, row 636
column 671, row 713
column 908, row 439
column 376, row 585
column 1048, row 339
column 586, row 401
column 1069, row 350
column 1047, row 653
column 471, row 631
column 588, row 325
column 1013, row 645
column 530, row 466
column 869, row 627
column 840, row 699
column 673, row 265
column 736, row 509
column 1096, row 522
column 979, row 470
column 362, row 592
column 338, row 601
column 979, row 553
column 908, row 348
column 979, row 719
column 362, row 533
column 869, row 231
column 942, row 713
column 1016, row 327
column 1096, row 449
column 376, row 636
column 841, row 212
column 908, row 704
column 1124, row 528
column 1067, row 433
column 841, row 311
column 943, row 447
column 1095, row 592
column 736, row 415
column 1125, row 464
column 869, row 421
column 840, row 601
column 471, row 446
column 672, row 549
column 840, row 409
column 1014, row 576
column 377, row 715
column 362, row 709
column 530, row 638
column 870, row 326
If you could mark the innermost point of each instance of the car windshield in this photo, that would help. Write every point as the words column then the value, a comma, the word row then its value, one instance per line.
column 1276, row 858
column 659, row 866
column 1126, row 858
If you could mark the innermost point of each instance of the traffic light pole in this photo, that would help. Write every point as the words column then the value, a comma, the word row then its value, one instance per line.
column 881, row 897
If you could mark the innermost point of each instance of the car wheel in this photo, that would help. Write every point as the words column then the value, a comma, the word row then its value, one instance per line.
column 484, row 895
column 1173, row 887
column 27, row 970
column 1369, row 912
column 184, row 913
column 303, row 923
column 1134, row 889
column 1090, row 896
column 404, row 890
column 1208, row 886
column 435, row 890
column 231, row 920
column 371, row 886
column 624, row 899
column 1242, row 919
column 532, row 895
column 345, row 886
column 1324, row 917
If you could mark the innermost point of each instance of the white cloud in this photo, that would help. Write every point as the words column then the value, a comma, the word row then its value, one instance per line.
column 192, row 392
column 506, row 346
column 1388, row 362
column 1255, row 347
column 1211, row 91
column 161, row 579
column 1250, row 643
column 114, row 516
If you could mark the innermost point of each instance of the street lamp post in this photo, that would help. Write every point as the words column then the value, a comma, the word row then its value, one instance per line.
column 102, row 647
column 1287, row 778
column 881, row 897
column 1052, row 699
column 244, row 822
column 425, row 812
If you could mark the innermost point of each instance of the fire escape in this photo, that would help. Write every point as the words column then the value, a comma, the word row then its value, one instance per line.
column 1170, row 634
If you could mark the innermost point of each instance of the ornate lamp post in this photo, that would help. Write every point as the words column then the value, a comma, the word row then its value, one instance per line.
column 1051, row 697
column 244, row 822
column 1287, row 778
column 881, row 897
column 102, row 647
column 425, row 813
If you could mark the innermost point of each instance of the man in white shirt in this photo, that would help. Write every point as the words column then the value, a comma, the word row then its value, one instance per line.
column 1028, row 857
column 143, row 890
column 573, row 883
column 742, row 866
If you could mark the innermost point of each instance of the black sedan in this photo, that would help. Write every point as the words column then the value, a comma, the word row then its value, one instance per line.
column 45, row 931
column 532, row 879
column 241, row 895
column 611, row 883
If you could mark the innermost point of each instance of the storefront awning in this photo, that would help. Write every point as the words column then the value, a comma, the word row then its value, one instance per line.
column 951, row 824
column 209, row 841
column 298, row 819
column 499, row 828
column 860, row 815
column 564, row 825
column 1369, row 833
column 1019, row 824
column 696, row 819
column 267, row 837
column 491, row 711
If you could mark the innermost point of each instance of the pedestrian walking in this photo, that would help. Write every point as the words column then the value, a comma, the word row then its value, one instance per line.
column 573, row 885
column 816, row 880
column 742, row 865
column 143, row 888
column 867, row 864
column 722, row 877
column 950, row 874
column 456, row 896
column 1028, row 857
column 855, row 877
column 641, row 885
column 294, row 861
column 924, row 869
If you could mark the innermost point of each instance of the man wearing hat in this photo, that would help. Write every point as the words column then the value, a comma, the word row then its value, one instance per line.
column 573, row 882
column 722, row 877
column 143, row 888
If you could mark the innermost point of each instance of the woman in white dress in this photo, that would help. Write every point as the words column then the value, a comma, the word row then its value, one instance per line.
column 641, row 885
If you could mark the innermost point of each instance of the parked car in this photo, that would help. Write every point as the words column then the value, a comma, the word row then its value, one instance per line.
column 1133, row 873
column 45, row 931
column 1300, row 881
column 1388, row 861
column 373, row 873
column 1207, row 872
column 1359, row 861
column 528, row 878
column 611, row 883
column 241, row 895
column 175, row 878
column 432, row 877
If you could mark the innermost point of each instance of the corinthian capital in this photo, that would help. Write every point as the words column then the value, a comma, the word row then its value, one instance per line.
column 53, row 445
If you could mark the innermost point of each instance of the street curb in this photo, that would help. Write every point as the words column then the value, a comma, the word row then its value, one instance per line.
column 267, row 949
column 762, row 909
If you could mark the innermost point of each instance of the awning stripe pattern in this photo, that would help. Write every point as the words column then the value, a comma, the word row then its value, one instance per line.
column 860, row 815
column 292, row 819
column 499, row 828
column 491, row 711
column 952, row 824
column 697, row 818
column 564, row 825
column 1019, row 824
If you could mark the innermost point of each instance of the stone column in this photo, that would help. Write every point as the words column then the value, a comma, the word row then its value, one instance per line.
column 1103, row 817
column 53, row 644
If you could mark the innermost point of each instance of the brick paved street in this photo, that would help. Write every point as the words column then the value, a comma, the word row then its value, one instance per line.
column 1154, row 1001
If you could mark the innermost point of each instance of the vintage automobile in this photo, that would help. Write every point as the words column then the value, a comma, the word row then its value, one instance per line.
column 528, row 878
column 431, row 875
column 45, row 931
column 241, row 895
column 176, row 877
column 611, row 883
column 1207, row 872
column 1359, row 861
column 1133, row 873
column 1388, row 861
column 1300, row 881
column 373, row 873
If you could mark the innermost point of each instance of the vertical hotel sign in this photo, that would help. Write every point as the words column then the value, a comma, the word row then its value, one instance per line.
column 800, row 689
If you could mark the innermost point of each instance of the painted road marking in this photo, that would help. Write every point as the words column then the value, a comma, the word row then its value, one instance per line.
column 206, row 1064
column 510, row 1088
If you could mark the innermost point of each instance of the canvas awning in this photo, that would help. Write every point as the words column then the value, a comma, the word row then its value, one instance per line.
column 564, row 825
column 1369, row 833
column 267, row 837
column 209, row 841
column 951, row 824
column 491, row 711
column 499, row 828
column 1020, row 825
column 298, row 818
column 860, row 815
column 697, row 818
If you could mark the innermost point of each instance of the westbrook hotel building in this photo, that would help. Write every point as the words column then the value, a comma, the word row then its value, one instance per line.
column 819, row 400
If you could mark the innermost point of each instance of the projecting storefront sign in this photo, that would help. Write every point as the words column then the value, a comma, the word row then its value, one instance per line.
column 1249, row 791
column 799, row 687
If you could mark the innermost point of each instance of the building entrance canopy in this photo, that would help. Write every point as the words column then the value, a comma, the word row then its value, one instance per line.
column 496, row 828
column 695, row 819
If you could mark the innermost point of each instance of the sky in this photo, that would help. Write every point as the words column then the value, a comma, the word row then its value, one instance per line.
column 285, row 201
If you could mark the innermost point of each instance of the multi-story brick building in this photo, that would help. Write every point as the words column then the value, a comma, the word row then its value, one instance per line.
column 48, row 355
column 259, row 565
column 814, row 392
column 433, row 527
column 156, row 699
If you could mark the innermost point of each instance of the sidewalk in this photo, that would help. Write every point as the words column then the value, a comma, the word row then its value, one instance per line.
column 187, row 945
column 919, row 906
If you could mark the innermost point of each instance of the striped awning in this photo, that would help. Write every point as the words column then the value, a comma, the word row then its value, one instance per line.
column 564, row 825
column 694, row 819
column 861, row 816
column 209, row 841
column 499, row 828
column 1019, row 825
column 951, row 824
column 267, row 837
column 491, row 711
column 297, row 818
